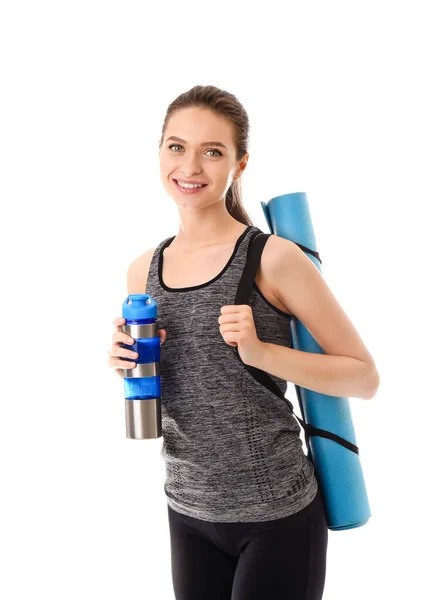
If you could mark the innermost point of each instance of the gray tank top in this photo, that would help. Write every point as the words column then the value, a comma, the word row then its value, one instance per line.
column 231, row 447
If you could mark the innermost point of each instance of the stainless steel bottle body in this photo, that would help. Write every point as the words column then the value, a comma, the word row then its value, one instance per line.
column 143, row 402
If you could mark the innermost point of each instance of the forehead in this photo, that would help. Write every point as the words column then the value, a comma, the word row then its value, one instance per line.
column 197, row 125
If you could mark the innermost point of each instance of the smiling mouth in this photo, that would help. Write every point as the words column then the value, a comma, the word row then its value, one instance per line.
column 188, row 191
column 201, row 184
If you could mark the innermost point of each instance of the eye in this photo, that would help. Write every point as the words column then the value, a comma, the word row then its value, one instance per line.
column 214, row 150
column 209, row 150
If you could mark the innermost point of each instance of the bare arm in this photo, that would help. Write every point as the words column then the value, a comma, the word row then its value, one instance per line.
column 137, row 273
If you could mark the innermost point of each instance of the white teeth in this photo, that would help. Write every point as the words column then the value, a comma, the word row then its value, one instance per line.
column 189, row 185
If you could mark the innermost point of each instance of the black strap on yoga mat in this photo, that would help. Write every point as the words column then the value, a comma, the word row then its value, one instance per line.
column 256, row 244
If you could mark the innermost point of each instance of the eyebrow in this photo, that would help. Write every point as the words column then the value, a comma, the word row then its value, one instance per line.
column 177, row 139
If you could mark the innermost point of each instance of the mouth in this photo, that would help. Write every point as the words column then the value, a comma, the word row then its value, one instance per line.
column 187, row 191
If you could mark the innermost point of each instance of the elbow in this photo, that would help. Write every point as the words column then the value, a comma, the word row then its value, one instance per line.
column 371, row 388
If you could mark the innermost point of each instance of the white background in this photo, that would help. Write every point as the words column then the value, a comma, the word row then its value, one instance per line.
column 344, row 104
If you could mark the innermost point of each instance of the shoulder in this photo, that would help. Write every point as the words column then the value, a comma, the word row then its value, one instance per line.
column 137, row 272
column 278, row 255
column 277, row 248
column 290, row 274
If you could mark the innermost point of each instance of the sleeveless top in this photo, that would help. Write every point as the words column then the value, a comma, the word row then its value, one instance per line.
column 231, row 447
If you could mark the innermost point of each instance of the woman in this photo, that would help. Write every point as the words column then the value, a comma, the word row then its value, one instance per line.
column 246, row 516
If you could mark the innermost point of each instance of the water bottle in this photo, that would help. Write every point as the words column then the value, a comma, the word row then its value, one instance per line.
column 142, row 384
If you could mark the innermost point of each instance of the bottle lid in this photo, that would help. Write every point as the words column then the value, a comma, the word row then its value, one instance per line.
column 142, row 306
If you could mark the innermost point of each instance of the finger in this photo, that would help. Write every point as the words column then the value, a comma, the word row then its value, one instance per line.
column 120, row 336
column 230, row 318
column 121, row 372
column 119, row 351
column 123, row 364
column 118, row 323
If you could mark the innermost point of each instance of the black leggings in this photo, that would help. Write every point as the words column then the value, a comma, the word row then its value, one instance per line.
column 283, row 559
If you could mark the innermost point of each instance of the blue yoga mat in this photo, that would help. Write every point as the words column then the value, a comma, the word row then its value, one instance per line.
column 338, row 469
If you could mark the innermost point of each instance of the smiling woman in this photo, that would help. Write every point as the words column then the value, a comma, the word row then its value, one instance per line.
column 232, row 450
column 209, row 147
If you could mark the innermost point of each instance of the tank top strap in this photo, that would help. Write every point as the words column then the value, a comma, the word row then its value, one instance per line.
column 153, row 274
column 238, row 260
column 240, row 254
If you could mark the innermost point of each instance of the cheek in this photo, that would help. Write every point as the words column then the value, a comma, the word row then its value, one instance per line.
column 218, row 176
column 165, row 166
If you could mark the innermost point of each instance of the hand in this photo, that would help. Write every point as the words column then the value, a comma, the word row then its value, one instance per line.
column 238, row 329
column 116, row 351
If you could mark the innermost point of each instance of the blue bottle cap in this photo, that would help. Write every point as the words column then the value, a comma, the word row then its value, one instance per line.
column 142, row 307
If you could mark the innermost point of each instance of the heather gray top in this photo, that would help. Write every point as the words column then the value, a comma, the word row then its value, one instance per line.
column 231, row 446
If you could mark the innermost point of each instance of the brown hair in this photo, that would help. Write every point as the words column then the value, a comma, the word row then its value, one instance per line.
column 227, row 105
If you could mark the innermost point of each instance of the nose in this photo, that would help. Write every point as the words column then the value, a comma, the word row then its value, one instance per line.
column 191, row 164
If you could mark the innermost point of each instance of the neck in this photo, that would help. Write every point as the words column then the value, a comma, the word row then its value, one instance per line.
column 196, row 233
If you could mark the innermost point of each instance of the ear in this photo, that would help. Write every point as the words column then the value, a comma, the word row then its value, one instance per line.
column 242, row 165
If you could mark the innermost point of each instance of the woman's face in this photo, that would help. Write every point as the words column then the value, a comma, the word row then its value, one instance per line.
column 193, row 158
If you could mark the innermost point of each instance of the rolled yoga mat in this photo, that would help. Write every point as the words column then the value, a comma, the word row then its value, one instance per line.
column 338, row 469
